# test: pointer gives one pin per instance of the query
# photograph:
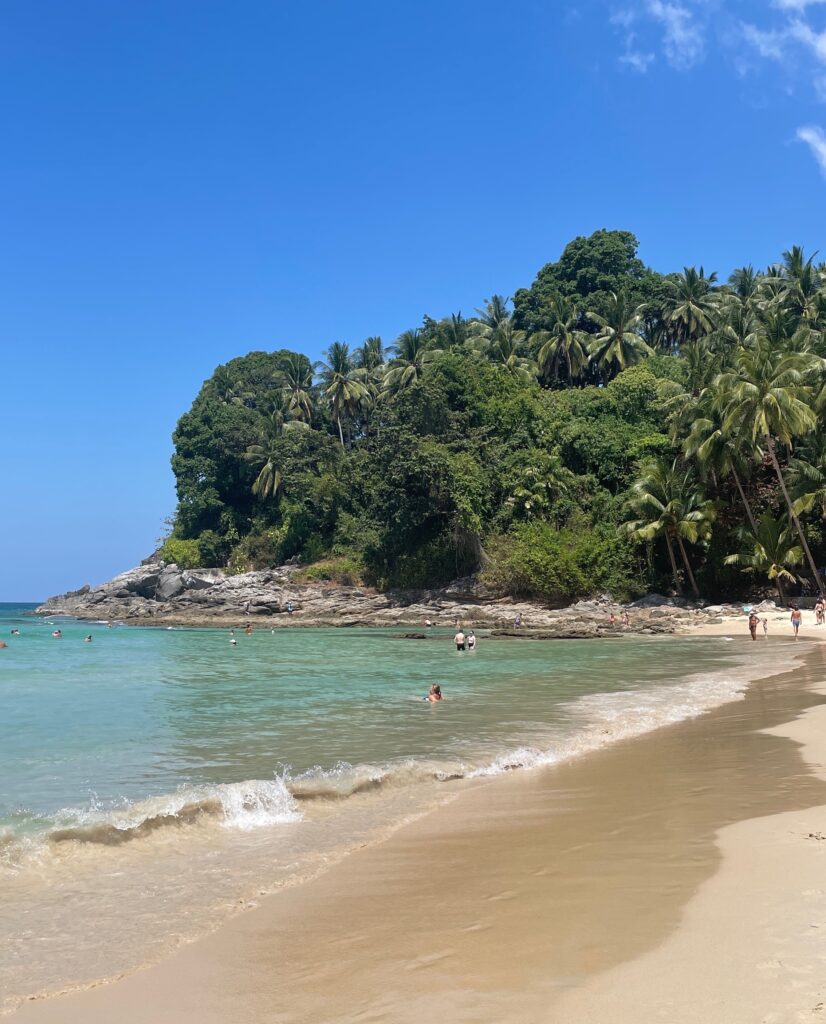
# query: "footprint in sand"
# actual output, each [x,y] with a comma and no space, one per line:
[428,961]
[508,894]
[477,926]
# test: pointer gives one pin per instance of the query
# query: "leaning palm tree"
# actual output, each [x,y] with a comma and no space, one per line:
[412,356]
[718,452]
[563,348]
[770,549]
[295,375]
[768,397]
[668,503]
[690,308]
[343,388]
[618,345]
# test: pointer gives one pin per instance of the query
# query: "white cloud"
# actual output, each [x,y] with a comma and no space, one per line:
[683,41]
[637,60]
[768,42]
[795,5]
[815,139]
[803,32]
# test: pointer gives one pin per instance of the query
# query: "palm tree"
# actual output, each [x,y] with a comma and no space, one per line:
[451,332]
[691,307]
[342,387]
[563,349]
[772,550]
[717,451]
[539,484]
[407,366]
[495,311]
[668,503]
[370,354]
[295,374]
[267,454]
[807,474]
[744,282]
[767,397]
[503,346]
[617,344]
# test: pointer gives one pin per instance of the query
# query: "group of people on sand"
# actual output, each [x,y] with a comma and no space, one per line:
[796,619]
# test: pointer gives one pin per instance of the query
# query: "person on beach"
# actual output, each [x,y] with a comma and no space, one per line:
[765,629]
[796,618]
[753,621]
[518,621]
[459,640]
[471,641]
[289,607]
[819,611]
[435,694]
[612,620]
[625,620]
[428,623]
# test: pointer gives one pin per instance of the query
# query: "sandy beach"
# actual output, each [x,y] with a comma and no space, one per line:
[675,877]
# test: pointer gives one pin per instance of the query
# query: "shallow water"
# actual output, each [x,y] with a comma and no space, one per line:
[152,781]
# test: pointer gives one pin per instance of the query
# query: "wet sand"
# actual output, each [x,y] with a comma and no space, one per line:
[669,877]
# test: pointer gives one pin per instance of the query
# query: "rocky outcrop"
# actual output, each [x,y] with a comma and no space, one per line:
[155,593]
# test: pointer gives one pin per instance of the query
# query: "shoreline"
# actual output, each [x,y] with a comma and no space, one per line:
[468,835]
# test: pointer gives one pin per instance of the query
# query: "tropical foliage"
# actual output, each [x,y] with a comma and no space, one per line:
[612,428]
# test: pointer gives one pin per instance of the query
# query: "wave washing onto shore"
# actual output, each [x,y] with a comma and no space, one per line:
[261,803]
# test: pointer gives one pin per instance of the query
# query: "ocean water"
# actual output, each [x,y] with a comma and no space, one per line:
[154,781]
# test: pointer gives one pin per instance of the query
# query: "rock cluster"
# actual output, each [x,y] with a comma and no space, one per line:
[156,593]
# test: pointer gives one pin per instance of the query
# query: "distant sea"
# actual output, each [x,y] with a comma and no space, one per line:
[154,780]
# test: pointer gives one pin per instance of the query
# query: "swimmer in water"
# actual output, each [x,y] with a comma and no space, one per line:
[56,633]
[233,641]
[15,632]
[87,639]
[435,694]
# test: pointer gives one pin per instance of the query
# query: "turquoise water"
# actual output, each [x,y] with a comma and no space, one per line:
[157,776]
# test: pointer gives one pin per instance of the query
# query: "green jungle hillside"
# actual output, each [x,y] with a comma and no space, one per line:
[609,429]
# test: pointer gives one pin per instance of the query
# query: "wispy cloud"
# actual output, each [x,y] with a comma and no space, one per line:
[683,41]
[815,139]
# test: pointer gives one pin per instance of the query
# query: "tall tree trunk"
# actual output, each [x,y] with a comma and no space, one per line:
[781,590]
[340,431]
[687,565]
[793,516]
[674,571]
[745,500]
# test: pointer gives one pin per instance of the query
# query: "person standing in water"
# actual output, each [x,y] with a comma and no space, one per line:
[459,639]
[435,694]
[796,618]
[765,629]
[471,641]
[753,621]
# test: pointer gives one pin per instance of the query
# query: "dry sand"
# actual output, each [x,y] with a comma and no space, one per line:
[676,877]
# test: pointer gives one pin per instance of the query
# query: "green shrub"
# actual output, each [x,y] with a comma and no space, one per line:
[347,572]
[183,553]
[534,560]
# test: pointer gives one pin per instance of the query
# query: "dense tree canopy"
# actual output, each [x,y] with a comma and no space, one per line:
[616,429]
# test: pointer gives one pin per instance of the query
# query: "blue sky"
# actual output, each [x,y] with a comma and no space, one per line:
[185,182]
